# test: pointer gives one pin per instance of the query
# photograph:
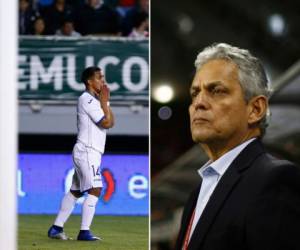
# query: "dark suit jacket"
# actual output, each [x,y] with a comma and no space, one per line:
[255,206]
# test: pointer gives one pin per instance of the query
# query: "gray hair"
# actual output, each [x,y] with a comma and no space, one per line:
[252,76]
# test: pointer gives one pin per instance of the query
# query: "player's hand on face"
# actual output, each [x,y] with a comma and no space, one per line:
[104,93]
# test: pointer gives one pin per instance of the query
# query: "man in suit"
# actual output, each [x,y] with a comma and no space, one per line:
[247,200]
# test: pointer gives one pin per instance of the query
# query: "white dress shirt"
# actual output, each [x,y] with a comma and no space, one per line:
[211,174]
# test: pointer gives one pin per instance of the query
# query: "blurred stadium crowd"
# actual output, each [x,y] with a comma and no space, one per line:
[75,18]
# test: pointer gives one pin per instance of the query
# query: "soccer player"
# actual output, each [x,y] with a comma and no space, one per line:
[94,117]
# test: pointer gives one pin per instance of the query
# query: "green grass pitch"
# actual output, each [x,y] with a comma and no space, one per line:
[117,232]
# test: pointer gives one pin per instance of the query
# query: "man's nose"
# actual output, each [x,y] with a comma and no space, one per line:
[201,101]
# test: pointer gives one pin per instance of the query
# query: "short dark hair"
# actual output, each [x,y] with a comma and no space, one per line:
[88,73]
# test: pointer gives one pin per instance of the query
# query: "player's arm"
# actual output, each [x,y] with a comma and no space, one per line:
[108,119]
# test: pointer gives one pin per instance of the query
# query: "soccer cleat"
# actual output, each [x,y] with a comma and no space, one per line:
[87,236]
[55,232]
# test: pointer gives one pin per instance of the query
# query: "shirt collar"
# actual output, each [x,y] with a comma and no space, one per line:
[220,165]
[88,92]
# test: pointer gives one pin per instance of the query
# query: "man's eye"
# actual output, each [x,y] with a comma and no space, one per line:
[218,91]
[194,94]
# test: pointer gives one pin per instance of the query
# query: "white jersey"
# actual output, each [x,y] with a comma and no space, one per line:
[89,113]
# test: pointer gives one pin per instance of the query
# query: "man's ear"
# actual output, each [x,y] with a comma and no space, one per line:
[257,108]
[88,82]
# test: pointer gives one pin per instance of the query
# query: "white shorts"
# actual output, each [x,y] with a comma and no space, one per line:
[87,173]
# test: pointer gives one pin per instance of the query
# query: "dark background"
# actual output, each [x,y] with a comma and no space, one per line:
[181,29]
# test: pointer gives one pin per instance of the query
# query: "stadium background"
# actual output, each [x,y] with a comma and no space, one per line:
[47,122]
[49,71]
[49,86]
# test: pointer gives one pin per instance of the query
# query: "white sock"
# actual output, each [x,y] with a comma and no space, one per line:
[88,211]
[66,208]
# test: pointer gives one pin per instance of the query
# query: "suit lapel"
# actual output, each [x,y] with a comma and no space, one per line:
[223,190]
[188,211]
[215,203]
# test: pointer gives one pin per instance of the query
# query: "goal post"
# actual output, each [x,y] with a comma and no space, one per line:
[8,123]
